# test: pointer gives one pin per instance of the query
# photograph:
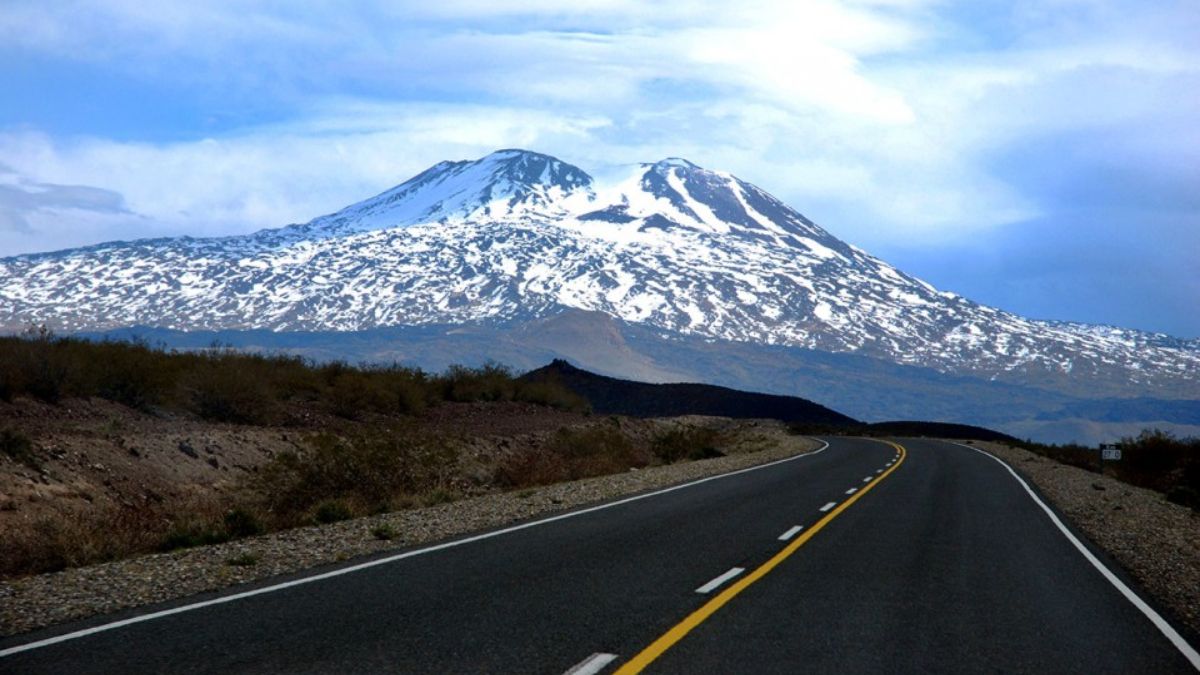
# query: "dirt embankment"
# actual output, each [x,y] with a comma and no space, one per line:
[90,454]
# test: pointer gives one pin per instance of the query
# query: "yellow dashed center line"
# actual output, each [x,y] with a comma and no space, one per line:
[677,633]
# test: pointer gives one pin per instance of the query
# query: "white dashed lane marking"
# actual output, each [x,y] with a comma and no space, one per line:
[791,533]
[592,664]
[716,583]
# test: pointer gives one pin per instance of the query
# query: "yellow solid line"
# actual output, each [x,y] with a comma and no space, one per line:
[677,633]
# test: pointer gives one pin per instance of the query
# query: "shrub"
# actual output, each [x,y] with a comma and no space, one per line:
[1184,496]
[384,532]
[685,442]
[411,389]
[704,452]
[225,385]
[223,393]
[532,467]
[129,373]
[438,495]
[189,535]
[490,382]
[71,538]
[1154,459]
[18,446]
[353,393]
[246,559]
[332,511]
[571,454]
[241,522]
[46,372]
[367,470]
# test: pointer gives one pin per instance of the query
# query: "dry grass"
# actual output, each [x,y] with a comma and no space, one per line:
[224,385]
[73,538]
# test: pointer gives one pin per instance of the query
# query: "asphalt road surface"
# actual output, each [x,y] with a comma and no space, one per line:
[865,557]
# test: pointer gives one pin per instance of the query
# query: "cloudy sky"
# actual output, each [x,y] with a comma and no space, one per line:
[1041,156]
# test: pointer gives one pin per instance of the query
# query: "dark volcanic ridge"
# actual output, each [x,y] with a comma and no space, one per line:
[614,396]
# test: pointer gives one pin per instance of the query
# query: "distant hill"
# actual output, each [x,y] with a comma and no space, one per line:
[936,430]
[611,396]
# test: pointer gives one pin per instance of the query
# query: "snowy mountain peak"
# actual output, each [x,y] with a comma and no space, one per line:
[674,163]
[504,185]
[675,192]
[529,169]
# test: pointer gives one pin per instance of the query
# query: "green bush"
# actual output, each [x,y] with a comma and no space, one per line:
[384,532]
[490,382]
[241,522]
[354,393]
[332,511]
[190,529]
[685,443]
[130,373]
[367,470]
[18,446]
[46,376]
[222,393]
[190,536]
[572,454]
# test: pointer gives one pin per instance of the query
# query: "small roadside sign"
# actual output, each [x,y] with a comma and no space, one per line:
[1110,454]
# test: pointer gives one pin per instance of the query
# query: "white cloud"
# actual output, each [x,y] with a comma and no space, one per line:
[880,118]
[269,177]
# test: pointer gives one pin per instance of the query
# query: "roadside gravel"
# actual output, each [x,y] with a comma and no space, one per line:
[48,599]
[1156,541]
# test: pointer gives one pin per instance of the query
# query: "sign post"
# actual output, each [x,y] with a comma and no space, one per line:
[1109,452]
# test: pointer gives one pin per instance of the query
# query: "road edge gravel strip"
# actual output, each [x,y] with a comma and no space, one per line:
[46,600]
[1157,543]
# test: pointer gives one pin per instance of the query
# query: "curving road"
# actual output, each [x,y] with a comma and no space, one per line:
[865,557]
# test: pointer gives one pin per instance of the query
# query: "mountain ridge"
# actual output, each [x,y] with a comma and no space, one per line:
[516,237]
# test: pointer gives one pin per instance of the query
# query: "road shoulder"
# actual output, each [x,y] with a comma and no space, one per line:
[1156,542]
[49,599]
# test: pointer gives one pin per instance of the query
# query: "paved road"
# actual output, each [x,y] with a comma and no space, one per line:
[930,558]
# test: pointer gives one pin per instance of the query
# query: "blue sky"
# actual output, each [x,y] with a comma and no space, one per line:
[1043,157]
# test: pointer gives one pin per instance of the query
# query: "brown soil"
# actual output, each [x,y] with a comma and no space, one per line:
[90,453]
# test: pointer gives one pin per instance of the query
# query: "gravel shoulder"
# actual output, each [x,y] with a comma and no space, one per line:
[1157,542]
[47,599]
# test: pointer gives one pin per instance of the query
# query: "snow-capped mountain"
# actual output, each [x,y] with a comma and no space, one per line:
[518,236]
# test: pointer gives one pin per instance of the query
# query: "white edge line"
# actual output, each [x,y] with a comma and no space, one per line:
[828,506]
[592,664]
[381,561]
[1176,639]
[791,533]
[716,583]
